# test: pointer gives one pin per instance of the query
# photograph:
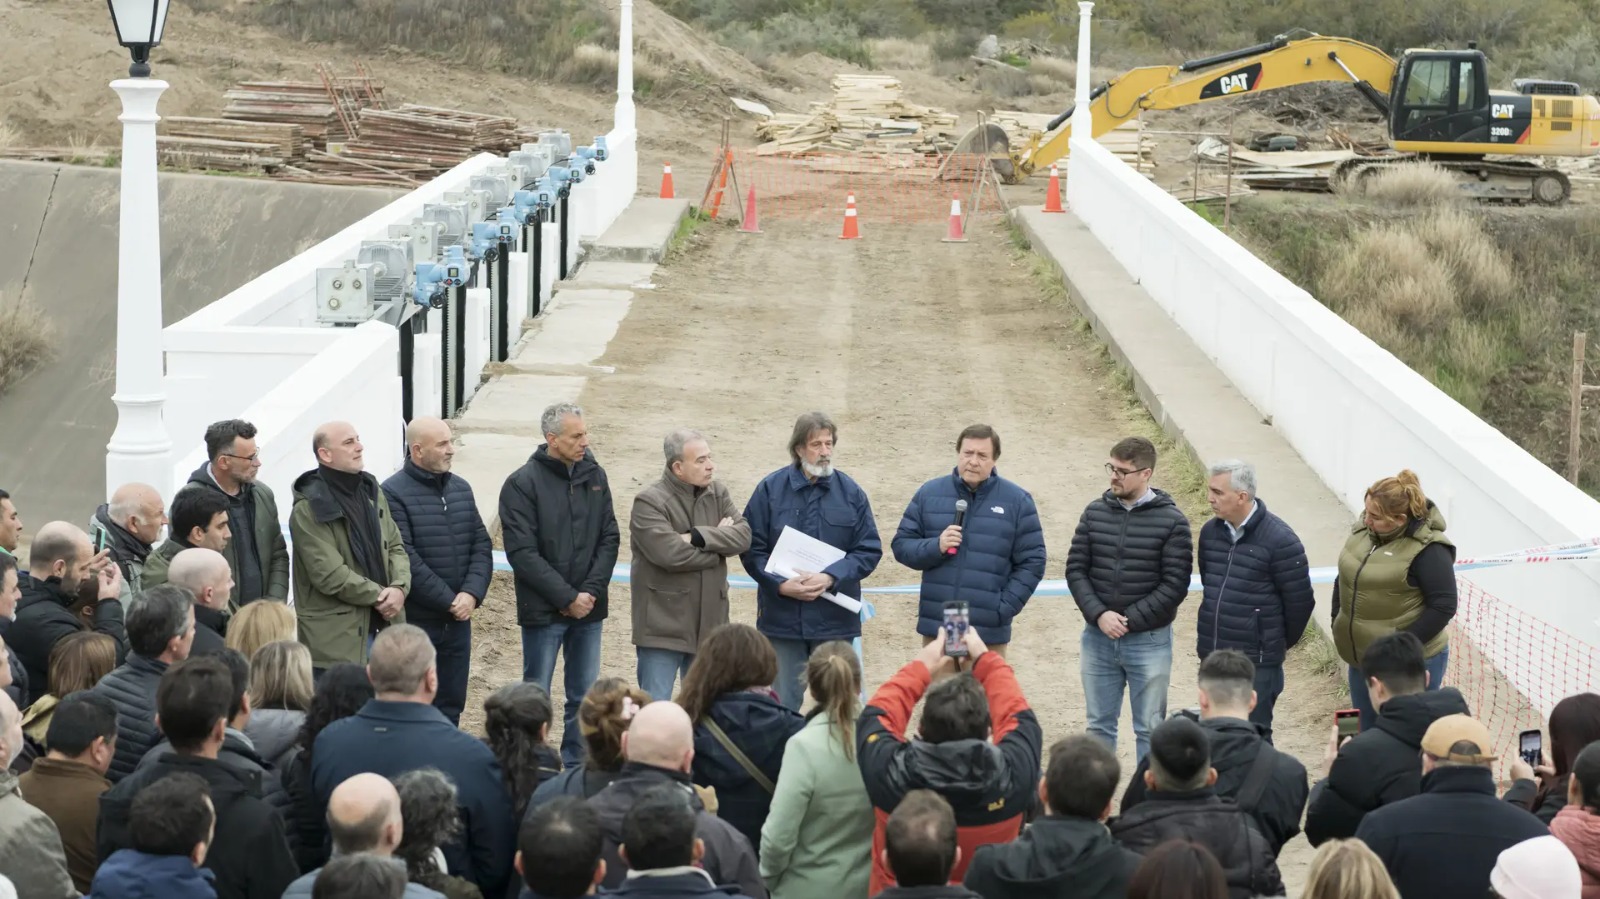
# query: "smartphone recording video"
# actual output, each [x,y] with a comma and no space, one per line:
[955,629]
[1349,722]
[1530,746]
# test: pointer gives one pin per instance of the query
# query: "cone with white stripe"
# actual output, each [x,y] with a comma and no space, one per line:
[852,229]
[955,234]
[666,181]
[1052,194]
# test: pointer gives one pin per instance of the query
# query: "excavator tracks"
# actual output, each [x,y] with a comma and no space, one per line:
[1491,181]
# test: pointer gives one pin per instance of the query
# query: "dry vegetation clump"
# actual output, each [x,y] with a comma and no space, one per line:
[1409,185]
[27,340]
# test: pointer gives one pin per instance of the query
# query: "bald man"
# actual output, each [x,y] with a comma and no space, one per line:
[129,527]
[363,816]
[449,550]
[70,589]
[659,749]
[351,574]
[206,574]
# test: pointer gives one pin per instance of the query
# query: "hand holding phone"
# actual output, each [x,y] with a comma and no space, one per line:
[1348,722]
[955,629]
[1530,747]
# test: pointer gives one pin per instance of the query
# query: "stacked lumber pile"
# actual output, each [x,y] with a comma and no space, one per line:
[409,145]
[325,111]
[868,114]
[1128,140]
[1299,170]
[226,145]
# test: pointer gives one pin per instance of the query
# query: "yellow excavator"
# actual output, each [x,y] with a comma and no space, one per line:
[1437,104]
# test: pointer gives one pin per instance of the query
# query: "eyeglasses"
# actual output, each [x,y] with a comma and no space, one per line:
[1116,472]
[252,458]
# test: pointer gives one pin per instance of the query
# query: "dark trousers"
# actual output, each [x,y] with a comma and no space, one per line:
[452,640]
[1269,685]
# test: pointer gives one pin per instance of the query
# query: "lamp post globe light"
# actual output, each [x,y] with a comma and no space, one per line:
[140,448]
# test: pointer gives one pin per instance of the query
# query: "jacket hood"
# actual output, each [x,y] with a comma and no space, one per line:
[1406,718]
[202,475]
[1579,830]
[274,731]
[310,487]
[1161,499]
[1233,740]
[130,874]
[1433,521]
[123,544]
[963,771]
[1060,856]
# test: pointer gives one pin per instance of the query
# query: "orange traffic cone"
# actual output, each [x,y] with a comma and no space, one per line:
[666,181]
[750,225]
[852,230]
[1052,194]
[955,235]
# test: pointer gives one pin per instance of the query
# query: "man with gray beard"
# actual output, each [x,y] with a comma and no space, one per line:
[812,497]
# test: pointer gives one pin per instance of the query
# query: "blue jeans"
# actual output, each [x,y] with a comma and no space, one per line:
[579,642]
[1142,661]
[452,642]
[659,668]
[1359,699]
[1268,686]
[792,658]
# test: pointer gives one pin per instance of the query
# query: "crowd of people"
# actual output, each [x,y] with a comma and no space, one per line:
[194,706]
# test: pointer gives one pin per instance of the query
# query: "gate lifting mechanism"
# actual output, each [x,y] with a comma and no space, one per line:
[427,264]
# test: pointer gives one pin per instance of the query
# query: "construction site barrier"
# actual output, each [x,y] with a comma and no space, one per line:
[888,187]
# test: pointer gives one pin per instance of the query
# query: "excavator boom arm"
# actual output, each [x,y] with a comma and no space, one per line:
[1269,66]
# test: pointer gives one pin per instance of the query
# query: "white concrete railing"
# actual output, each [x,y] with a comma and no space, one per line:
[259,354]
[1352,410]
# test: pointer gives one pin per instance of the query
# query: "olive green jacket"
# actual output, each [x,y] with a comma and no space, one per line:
[1374,596]
[333,599]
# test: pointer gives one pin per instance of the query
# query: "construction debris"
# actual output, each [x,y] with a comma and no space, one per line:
[326,109]
[229,146]
[1128,140]
[867,114]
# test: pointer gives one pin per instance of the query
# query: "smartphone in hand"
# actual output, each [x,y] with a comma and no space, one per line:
[955,629]
[1349,723]
[1530,746]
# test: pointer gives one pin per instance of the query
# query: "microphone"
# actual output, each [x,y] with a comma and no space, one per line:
[961,514]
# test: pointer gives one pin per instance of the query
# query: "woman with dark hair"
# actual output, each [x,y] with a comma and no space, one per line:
[607,710]
[1178,869]
[430,817]
[740,725]
[1577,825]
[517,725]
[1574,724]
[343,690]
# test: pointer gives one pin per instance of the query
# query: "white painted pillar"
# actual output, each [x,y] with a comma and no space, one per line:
[1082,118]
[625,119]
[140,448]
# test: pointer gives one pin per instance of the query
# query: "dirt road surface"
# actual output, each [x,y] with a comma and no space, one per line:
[903,340]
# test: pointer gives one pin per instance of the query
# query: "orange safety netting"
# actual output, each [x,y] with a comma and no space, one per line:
[888,187]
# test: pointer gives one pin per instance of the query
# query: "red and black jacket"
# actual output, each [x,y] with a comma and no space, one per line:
[989,784]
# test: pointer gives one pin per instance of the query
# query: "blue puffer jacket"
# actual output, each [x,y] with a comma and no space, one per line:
[129,874]
[1257,593]
[760,725]
[1000,561]
[834,510]
[445,539]
[132,687]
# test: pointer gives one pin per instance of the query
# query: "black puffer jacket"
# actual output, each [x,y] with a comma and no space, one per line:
[1235,743]
[561,536]
[1133,561]
[238,752]
[133,688]
[1379,766]
[445,539]
[1217,824]
[1057,857]
[43,620]
[1256,594]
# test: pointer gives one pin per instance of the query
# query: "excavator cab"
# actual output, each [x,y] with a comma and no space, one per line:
[1441,96]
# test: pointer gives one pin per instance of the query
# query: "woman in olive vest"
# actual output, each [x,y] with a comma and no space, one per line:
[1396,573]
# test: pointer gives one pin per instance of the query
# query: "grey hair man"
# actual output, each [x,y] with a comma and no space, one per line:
[561,538]
[128,527]
[682,531]
[70,588]
[1255,583]
[160,634]
[363,816]
[205,573]
[818,500]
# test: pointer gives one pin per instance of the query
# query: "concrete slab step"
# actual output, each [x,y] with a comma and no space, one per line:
[601,274]
[642,233]
[511,404]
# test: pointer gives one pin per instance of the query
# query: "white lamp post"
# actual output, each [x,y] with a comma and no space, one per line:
[140,449]
[1082,116]
[626,118]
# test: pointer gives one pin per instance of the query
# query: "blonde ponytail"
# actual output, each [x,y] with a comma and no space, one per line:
[833,675]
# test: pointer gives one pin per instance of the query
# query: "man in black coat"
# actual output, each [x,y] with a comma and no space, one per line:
[1183,806]
[208,578]
[60,562]
[249,855]
[659,746]
[1445,841]
[1268,784]
[257,553]
[662,850]
[1380,766]
[1128,570]
[561,538]
[1068,853]
[451,555]
[161,631]
[1255,583]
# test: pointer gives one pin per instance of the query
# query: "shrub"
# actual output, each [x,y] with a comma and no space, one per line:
[1418,184]
[830,34]
[27,340]
[899,53]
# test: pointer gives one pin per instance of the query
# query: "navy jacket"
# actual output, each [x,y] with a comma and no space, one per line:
[391,738]
[834,510]
[130,874]
[760,726]
[1133,561]
[133,688]
[1256,594]
[561,536]
[445,539]
[998,565]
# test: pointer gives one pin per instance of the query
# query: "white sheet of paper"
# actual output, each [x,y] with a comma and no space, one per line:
[796,552]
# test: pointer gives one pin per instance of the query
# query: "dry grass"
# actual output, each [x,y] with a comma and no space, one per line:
[899,53]
[9,136]
[27,340]
[1063,71]
[1412,185]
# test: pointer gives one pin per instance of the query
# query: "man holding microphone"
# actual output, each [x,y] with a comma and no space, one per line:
[976,538]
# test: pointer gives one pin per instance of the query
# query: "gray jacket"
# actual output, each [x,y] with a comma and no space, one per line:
[30,847]
[273,731]
[680,588]
[301,888]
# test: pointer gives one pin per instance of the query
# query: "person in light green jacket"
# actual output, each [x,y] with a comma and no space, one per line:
[817,840]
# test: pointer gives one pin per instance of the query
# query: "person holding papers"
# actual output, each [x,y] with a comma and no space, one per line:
[811,497]
[976,537]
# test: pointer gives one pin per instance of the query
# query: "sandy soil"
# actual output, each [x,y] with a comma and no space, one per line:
[902,355]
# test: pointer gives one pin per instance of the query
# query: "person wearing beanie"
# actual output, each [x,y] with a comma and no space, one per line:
[1445,840]
[1540,868]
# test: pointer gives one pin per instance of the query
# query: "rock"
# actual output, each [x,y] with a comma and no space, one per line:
[988,48]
